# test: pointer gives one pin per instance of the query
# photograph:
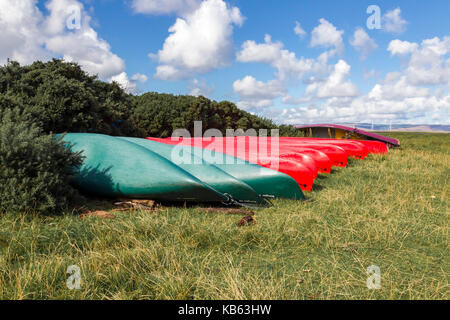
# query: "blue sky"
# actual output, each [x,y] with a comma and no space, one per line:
[333,69]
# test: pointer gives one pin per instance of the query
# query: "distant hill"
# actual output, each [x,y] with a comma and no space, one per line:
[425,128]
[400,127]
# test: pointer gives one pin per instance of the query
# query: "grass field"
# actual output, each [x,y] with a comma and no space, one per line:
[389,211]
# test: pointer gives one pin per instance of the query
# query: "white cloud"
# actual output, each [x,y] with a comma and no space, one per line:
[79,45]
[397,89]
[129,85]
[327,35]
[299,30]
[398,47]
[393,22]
[27,35]
[266,52]
[20,38]
[290,69]
[417,94]
[167,72]
[325,80]
[200,42]
[286,62]
[256,93]
[430,65]
[199,88]
[336,85]
[426,109]
[139,77]
[125,83]
[363,43]
[158,7]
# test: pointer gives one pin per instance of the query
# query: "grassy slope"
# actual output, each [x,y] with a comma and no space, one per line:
[389,211]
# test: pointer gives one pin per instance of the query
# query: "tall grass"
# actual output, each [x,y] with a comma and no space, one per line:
[390,211]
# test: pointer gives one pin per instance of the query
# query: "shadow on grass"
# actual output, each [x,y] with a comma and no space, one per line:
[317,186]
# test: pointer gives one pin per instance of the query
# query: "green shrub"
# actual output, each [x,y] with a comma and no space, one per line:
[34,167]
[61,97]
[64,98]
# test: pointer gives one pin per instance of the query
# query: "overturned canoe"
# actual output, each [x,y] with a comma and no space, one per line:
[266,182]
[372,146]
[291,165]
[204,171]
[354,149]
[117,168]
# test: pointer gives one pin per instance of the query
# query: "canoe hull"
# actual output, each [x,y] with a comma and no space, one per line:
[267,182]
[109,170]
[206,172]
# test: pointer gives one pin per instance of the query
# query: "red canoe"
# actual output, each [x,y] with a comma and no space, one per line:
[372,146]
[324,155]
[354,149]
[336,154]
[302,168]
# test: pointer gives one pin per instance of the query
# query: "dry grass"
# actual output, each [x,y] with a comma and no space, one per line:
[390,211]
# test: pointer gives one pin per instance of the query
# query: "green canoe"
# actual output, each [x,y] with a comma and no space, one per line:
[266,182]
[117,168]
[206,172]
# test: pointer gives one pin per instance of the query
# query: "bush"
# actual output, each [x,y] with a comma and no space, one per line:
[61,97]
[64,98]
[35,169]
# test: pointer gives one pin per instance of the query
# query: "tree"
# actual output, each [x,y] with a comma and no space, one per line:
[160,114]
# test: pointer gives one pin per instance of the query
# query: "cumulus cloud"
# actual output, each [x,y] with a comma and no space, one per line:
[396,88]
[199,88]
[27,35]
[421,109]
[419,93]
[139,77]
[124,82]
[289,69]
[254,93]
[363,43]
[200,42]
[398,47]
[81,45]
[298,30]
[327,35]
[20,39]
[336,85]
[430,64]
[393,22]
[285,61]
[159,7]
[127,84]
[266,52]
